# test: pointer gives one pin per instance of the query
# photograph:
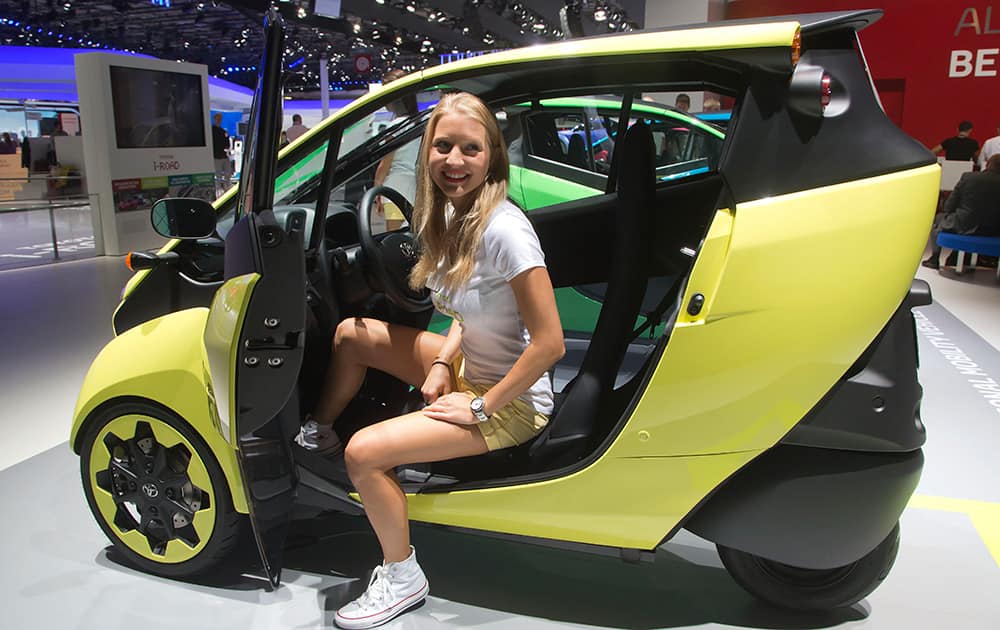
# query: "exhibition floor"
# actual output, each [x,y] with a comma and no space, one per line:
[60,572]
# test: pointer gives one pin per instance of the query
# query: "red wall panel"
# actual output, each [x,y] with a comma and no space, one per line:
[925,52]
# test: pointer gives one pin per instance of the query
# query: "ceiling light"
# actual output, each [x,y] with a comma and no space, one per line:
[411,8]
[301,12]
[600,14]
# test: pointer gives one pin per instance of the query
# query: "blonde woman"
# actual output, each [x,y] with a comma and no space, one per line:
[485,383]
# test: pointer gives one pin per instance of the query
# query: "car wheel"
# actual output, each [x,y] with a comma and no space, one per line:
[157,491]
[811,589]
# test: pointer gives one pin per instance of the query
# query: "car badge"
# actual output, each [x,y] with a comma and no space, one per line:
[151,490]
[408,251]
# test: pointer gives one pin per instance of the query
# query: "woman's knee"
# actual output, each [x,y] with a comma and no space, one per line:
[350,334]
[364,452]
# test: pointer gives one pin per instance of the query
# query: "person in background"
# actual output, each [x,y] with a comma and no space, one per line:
[972,208]
[990,148]
[711,105]
[7,144]
[486,382]
[283,142]
[960,147]
[220,153]
[297,128]
[682,102]
[398,169]
[26,152]
[58,130]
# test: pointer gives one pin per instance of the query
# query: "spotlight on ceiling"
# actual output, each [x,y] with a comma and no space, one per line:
[600,14]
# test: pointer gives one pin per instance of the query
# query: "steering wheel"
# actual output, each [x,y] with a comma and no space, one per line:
[391,256]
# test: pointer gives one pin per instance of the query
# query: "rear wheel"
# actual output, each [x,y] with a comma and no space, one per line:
[812,589]
[157,491]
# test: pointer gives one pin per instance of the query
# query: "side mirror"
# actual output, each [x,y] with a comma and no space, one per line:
[183,218]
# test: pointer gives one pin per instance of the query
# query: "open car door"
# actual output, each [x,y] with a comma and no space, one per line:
[255,330]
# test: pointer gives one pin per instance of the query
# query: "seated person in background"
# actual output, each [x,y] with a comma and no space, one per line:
[972,208]
[990,148]
[960,147]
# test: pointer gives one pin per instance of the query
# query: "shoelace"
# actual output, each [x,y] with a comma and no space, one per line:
[311,427]
[379,589]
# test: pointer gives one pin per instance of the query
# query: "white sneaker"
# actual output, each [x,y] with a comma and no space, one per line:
[394,588]
[318,438]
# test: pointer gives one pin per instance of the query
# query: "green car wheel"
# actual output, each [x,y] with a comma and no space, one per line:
[156,490]
[812,589]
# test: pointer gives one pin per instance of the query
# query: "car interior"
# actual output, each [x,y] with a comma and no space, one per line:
[629,250]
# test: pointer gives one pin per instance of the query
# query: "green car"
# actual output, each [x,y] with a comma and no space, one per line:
[716,383]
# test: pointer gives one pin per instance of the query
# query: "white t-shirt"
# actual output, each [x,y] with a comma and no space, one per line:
[990,148]
[493,334]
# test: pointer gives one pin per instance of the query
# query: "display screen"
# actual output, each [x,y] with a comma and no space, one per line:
[156,109]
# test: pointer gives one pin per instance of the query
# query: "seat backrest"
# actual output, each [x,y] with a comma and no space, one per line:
[577,153]
[544,139]
[568,434]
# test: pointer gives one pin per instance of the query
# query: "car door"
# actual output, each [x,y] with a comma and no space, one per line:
[254,333]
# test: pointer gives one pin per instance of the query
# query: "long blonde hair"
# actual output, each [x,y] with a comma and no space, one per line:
[451,245]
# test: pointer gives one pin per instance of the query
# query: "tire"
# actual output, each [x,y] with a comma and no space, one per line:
[157,491]
[811,589]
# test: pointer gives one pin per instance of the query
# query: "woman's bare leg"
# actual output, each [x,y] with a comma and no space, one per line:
[374,452]
[360,343]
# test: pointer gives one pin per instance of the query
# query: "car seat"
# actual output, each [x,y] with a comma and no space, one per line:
[577,153]
[568,436]
[544,139]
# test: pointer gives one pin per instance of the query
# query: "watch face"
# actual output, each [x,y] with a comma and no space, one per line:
[478,404]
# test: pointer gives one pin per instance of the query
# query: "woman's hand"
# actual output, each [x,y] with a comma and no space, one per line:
[453,407]
[437,383]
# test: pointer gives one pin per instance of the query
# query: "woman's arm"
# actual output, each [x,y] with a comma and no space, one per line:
[382,170]
[438,381]
[537,305]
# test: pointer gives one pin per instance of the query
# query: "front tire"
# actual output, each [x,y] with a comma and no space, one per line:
[811,589]
[157,491]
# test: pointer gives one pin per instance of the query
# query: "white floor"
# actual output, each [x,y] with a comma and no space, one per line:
[56,317]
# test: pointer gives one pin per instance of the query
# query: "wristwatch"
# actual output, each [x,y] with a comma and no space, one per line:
[478,407]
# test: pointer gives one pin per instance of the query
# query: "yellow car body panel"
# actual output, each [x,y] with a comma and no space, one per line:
[221,338]
[809,280]
[162,360]
[660,491]
[772,274]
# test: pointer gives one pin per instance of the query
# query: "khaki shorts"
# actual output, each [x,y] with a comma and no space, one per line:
[514,423]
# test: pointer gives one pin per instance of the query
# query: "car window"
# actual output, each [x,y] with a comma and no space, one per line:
[290,184]
[562,148]
[682,147]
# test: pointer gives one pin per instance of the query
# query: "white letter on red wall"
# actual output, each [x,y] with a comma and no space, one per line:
[961,63]
[985,58]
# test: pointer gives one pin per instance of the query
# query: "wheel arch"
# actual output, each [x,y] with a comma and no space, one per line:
[224,455]
[161,362]
[808,507]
